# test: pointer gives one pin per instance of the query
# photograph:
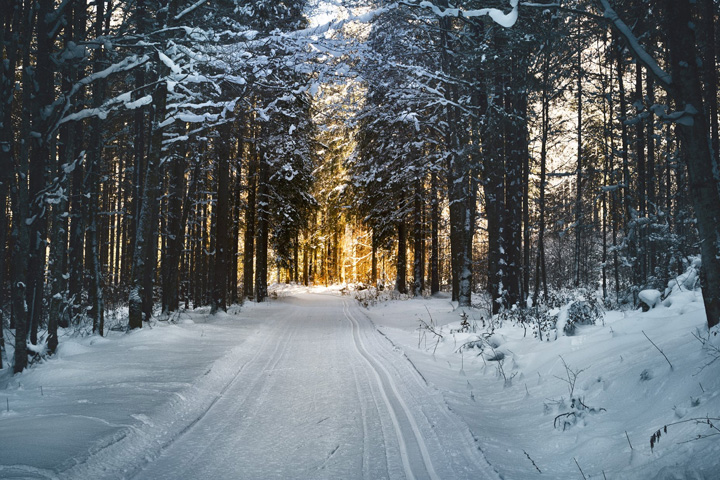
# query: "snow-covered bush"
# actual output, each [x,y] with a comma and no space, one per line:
[649,299]
[538,319]
[687,281]
[582,312]
[368,296]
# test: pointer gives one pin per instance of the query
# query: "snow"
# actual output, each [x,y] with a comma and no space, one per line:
[503,19]
[169,63]
[627,382]
[312,385]
[189,9]
[140,102]
[650,297]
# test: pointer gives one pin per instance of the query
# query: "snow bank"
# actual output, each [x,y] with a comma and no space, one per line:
[597,397]
[86,411]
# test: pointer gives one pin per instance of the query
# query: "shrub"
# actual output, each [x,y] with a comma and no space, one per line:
[583,312]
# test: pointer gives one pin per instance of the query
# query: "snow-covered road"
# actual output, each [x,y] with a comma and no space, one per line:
[306,386]
[324,395]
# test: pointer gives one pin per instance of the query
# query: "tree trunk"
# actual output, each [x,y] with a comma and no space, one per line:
[640,269]
[516,148]
[687,93]
[237,202]
[373,262]
[625,145]
[42,99]
[418,232]
[178,211]
[263,227]
[12,34]
[21,203]
[540,273]
[401,273]
[92,190]
[145,254]
[709,69]
[579,167]
[650,182]
[77,198]
[249,243]
[434,234]
[222,221]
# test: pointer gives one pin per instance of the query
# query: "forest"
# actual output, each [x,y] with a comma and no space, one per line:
[157,156]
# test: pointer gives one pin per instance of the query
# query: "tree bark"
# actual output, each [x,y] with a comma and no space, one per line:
[400,283]
[12,34]
[687,93]
[540,273]
[222,221]
[249,243]
[263,227]
[579,166]
[21,202]
[434,234]
[640,269]
[37,222]
[145,253]
[418,232]
[178,209]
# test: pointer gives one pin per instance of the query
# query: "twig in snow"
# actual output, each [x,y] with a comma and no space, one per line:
[566,414]
[709,421]
[578,465]
[432,322]
[532,461]
[628,439]
[658,349]
[430,327]
[713,353]
[571,376]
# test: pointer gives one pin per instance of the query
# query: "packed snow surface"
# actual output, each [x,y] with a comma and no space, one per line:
[313,385]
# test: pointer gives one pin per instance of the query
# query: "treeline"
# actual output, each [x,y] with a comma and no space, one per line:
[143,144]
[570,147]
[174,154]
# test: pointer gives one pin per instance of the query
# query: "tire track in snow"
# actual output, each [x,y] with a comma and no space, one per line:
[402,417]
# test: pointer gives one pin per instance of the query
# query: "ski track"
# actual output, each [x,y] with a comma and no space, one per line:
[398,410]
[433,423]
[317,392]
[438,405]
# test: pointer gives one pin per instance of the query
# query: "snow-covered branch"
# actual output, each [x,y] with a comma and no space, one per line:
[125,65]
[506,20]
[189,9]
[638,51]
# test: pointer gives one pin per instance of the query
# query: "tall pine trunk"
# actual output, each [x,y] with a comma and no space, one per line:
[263,227]
[222,221]
[434,236]
[249,241]
[418,244]
[145,252]
[687,93]
[37,222]
[401,268]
